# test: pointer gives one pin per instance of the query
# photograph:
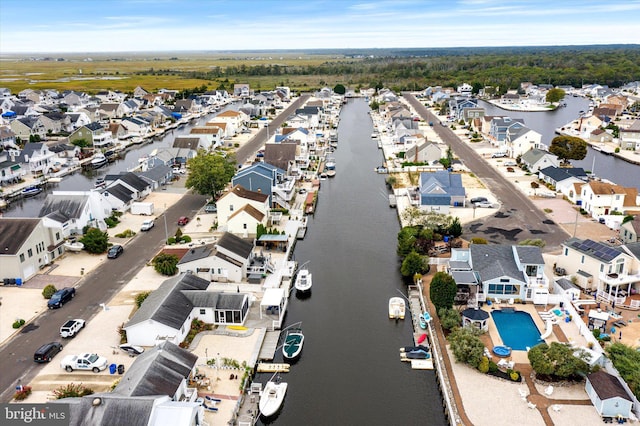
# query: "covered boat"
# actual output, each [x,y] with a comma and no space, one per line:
[272,397]
[397,308]
[303,280]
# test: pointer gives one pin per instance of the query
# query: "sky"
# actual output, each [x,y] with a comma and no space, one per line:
[59,26]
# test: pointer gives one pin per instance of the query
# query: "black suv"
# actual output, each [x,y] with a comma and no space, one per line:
[115,251]
[47,351]
[61,297]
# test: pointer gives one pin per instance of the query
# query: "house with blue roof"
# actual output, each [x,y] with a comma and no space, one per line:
[501,125]
[556,175]
[264,178]
[440,190]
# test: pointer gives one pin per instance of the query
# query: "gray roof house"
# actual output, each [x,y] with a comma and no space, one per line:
[73,210]
[167,313]
[425,152]
[536,159]
[555,175]
[608,396]
[441,189]
[499,272]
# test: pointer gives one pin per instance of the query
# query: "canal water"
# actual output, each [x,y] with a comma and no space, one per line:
[545,123]
[84,180]
[350,372]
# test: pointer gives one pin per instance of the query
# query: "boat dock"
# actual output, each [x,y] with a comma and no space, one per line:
[269,345]
[416,307]
[264,367]
[392,200]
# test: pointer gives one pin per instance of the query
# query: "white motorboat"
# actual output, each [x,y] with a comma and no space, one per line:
[397,307]
[100,183]
[74,246]
[272,397]
[303,280]
[30,191]
[330,164]
[98,160]
[293,341]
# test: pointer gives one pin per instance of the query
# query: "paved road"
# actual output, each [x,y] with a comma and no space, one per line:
[518,218]
[248,150]
[99,286]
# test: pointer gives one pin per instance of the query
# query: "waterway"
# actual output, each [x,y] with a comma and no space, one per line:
[350,371]
[545,123]
[84,180]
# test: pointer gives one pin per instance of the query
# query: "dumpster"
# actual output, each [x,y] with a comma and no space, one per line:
[112,368]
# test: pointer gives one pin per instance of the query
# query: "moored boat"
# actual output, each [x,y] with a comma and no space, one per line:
[397,308]
[331,173]
[32,190]
[303,280]
[98,160]
[100,183]
[330,164]
[293,341]
[272,397]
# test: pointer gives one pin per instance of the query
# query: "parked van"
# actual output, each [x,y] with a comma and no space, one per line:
[47,351]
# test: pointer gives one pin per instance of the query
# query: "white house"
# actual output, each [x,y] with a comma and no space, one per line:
[602,198]
[71,211]
[245,221]
[520,140]
[608,396]
[237,198]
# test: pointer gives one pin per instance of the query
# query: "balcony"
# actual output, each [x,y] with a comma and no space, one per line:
[619,279]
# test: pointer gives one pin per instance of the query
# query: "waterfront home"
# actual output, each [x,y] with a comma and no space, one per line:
[630,230]
[499,127]
[241,90]
[157,176]
[236,118]
[237,198]
[440,190]
[228,128]
[215,135]
[608,395]
[187,142]
[94,133]
[267,179]
[630,137]
[424,152]
[536,159]
[490,271]
[25,127]
[599,136]
[71,211]
[37,158]
[134,126]
[555,175]
[597,266]
[458,106]
[125,188]
[28,245]
[603,198]
[10,171]
[519,140]
[283,156]
[167,313]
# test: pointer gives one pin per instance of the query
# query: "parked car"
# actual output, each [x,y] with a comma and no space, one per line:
[47,351]
[478,200]
[71,327]
[115,251]
[210,208]
[147,225]
[483,204]
[86,361]
[499,155]
[183,220]
[61,297]
[132,350]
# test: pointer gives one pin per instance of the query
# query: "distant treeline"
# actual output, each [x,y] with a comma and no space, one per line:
[412,69]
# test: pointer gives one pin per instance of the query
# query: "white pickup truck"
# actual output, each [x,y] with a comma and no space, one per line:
[91,362]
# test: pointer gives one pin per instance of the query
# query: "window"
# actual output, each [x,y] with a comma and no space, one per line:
[566,251]
[230,207]
[582,261]
[57,236]
[21,257]
[30,253]
[244,226]
[203,311]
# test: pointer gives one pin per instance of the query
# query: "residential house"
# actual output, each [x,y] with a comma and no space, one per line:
[245,220]
[124,189]
[264,178]
[425,152]
[555,175]
[608,395]
[602,198]
[187,142]
[167,313]
[499,127]
[599,135]
[214,134]
[71,211]
[7,138]
[65,153]
[600,267]
[37,158]
[27,246]
[536,159]
[457,107]
[28,126]
[238,197]
[440,190]
[227,127]
[135,126]
[519,140]
[78,119]
[10,171]
[630,137]
[282,155]
[488,271]
[157,176]
[630,231]
[94,133]
[241,90]
[232,259]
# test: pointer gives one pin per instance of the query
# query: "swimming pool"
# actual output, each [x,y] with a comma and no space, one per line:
[516,328]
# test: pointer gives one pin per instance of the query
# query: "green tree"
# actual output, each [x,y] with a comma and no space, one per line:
[466,345]
[413,264]
[95,241]
[568,148]
[209,173]
[82,143]
[455,229]
[166,264]
[555,95]
[449,318]
[339,89]
[72,390]
[407,238]
[442,291]
[48,291]
[558,360]
[627,361]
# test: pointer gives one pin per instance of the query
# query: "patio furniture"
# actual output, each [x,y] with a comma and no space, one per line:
[549,390]
[531,405]
[555,408]
[523,393]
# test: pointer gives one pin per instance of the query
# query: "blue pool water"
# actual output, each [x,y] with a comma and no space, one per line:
[517,329]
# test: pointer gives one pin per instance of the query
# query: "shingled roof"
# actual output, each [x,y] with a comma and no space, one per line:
[242,192]
[14,232]
[607,386]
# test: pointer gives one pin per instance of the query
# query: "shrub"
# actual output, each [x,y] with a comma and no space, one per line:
[514,375]
[478,240]
[449,318]
[122,333]
[186,239]
[493,367]
[22,393]
[171,240]
[72,390]
[48,291]
[166,264]
[111,222]
[127,233]
[18,323]
[140,297]
[484,365]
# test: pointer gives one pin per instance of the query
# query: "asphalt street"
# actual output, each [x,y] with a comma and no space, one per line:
[518,218]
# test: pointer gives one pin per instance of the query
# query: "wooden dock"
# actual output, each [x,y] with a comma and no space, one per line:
[264,367]
[269,345]
[416,308]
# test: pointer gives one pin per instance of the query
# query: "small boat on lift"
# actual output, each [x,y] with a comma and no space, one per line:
[271,397]
[303,280]
[98,160]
